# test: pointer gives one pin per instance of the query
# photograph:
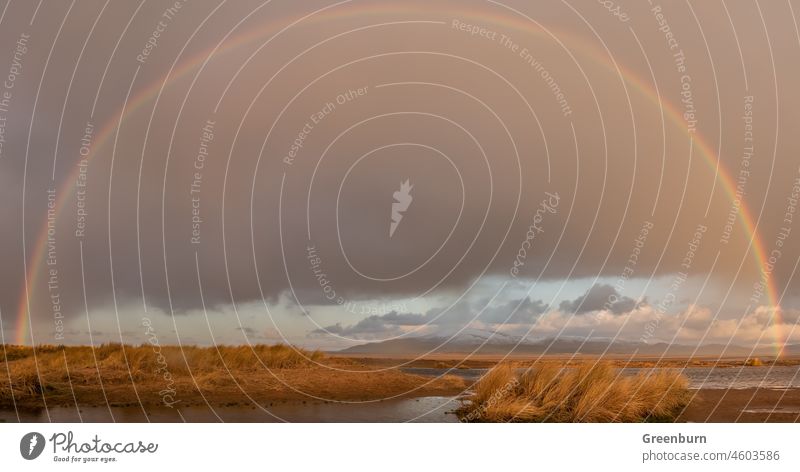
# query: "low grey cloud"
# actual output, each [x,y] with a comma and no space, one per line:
[247,330]
[182,232]
[519,311]
[514,312]
[599,297]
[368,327]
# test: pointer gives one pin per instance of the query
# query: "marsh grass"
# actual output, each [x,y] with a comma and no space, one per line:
[592,392]
[146,356]
[47,371]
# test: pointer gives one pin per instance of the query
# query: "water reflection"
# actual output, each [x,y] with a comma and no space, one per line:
[699,377]
[425,409]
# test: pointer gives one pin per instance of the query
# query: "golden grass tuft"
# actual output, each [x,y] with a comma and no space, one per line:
[117,364]
[591,392]
[148,357]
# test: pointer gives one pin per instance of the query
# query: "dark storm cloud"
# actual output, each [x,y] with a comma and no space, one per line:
[514,312]
[521,311]
[599,297]
[155,220]
[378,324]
[247,330]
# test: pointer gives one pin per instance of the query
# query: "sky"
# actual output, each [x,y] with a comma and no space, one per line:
[331,173]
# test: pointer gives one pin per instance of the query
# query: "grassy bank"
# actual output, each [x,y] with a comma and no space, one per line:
[147,357]
[122,375]
[593,392]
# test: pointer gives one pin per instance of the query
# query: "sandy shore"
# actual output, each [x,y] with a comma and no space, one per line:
[321,384]
[156,376]
[304,384]
[196,376]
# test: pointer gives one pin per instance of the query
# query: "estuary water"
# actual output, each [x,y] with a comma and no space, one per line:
[777,377]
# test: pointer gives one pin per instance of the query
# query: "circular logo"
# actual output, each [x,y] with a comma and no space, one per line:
[31,445]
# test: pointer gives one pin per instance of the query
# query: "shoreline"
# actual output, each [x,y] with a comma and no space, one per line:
[240,389]
[237,377]
[706,406]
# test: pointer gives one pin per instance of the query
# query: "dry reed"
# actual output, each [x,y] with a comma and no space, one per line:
[592,392]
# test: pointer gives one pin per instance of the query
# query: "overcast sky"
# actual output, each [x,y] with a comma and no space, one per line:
[233,170]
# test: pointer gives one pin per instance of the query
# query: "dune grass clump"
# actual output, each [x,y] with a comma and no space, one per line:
[146,357]
[63,368]
[594,392]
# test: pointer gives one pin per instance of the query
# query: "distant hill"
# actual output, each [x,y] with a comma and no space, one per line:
[494,345]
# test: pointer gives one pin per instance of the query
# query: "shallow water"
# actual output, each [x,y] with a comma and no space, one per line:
[741,377]
[699,377]
[425,409]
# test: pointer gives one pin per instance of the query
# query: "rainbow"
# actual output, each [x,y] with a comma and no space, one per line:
[345,10]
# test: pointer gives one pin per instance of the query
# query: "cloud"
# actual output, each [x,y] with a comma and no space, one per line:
[248,331]
[519,311]
[405,319]
[340,205]
[514,312]
[599,297]
[270,334]
[377,325]
[693,325]
[371,327]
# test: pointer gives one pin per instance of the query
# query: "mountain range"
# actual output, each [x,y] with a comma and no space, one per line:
[483,343]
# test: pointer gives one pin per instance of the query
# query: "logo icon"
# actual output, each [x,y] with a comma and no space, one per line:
[31,445]
[402,199]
